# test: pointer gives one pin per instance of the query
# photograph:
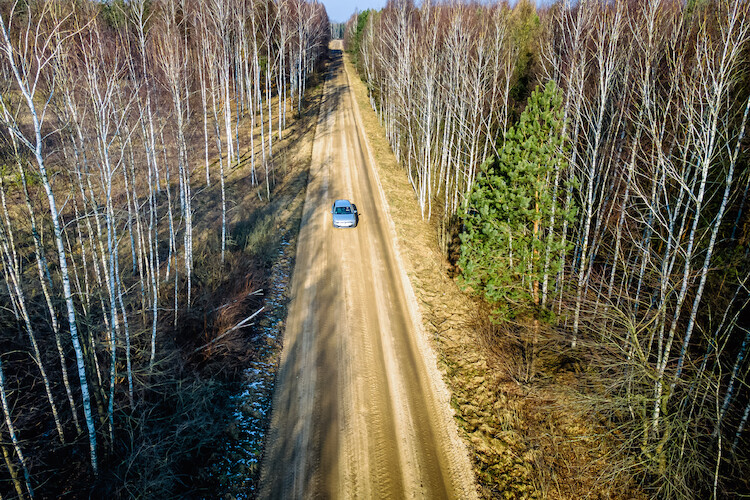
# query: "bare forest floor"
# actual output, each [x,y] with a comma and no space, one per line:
[527,440]
[171,441]
[182,448]
[264,232]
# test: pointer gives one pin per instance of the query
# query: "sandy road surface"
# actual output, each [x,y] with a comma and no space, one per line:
[359,409]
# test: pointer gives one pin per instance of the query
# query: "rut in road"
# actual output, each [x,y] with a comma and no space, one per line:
[360,410]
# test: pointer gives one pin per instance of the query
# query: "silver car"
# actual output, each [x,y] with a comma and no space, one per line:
[344,214]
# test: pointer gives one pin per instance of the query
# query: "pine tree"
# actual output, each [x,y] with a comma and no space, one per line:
[513,215]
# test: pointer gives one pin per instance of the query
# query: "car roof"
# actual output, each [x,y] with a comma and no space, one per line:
[341,203]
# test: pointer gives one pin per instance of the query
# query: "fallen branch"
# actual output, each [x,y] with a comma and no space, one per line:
[239,325]
[256,292]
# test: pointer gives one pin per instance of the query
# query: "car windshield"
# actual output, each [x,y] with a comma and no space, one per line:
[343,210]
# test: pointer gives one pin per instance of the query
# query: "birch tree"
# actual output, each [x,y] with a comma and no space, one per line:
[27,62]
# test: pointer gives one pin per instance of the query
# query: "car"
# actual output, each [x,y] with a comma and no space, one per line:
[344,214]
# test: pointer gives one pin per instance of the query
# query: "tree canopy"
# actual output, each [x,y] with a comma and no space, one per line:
[509,239]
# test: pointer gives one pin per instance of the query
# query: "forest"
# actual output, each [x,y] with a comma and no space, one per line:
[585,167]
[122,124]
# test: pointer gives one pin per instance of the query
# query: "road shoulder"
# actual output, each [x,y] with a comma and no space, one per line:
[422,275]
[479,398]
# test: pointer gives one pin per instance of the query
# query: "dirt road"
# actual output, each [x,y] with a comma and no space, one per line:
[360,410]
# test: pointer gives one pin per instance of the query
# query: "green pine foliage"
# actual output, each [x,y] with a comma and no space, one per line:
[356,41]
[513,219]
[525,29]
[114,13]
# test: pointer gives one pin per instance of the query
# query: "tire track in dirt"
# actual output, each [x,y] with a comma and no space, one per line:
[375,408]
[359,410]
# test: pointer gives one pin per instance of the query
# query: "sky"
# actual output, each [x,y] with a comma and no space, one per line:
[340,11]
